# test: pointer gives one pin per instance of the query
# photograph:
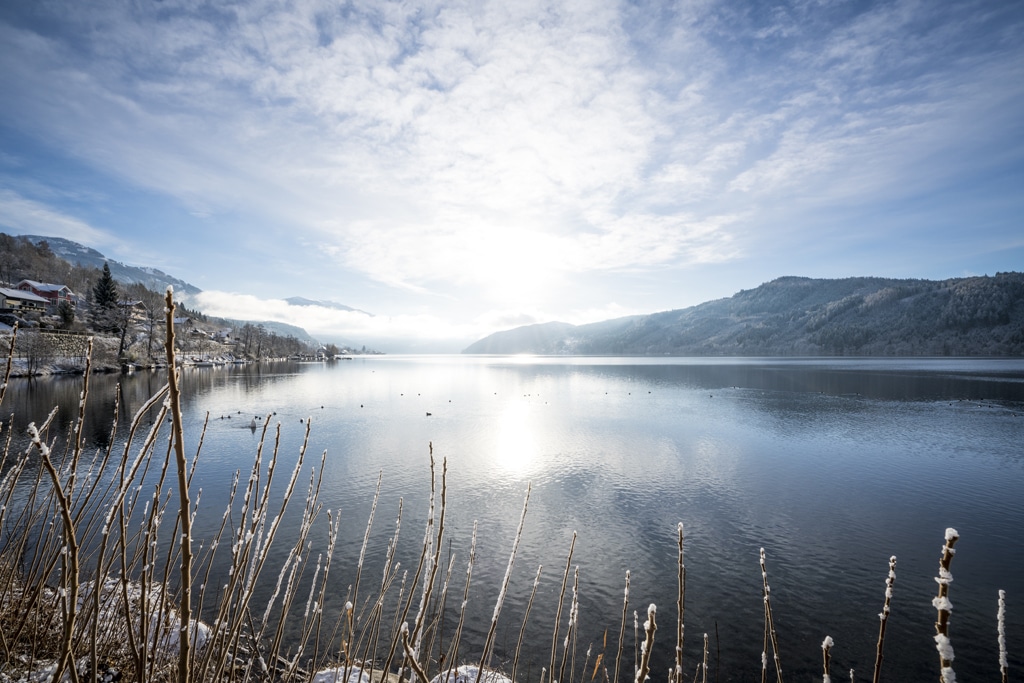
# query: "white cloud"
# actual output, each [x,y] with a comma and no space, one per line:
[495,151]
[29,217]
[328,324]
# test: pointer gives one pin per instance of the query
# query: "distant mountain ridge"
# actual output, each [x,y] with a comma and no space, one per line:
[151,278]
[303,301]
[806,317]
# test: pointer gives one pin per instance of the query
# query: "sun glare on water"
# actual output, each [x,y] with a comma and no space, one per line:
[515,448]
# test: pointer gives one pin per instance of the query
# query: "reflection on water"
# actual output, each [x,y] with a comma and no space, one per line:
[831,465]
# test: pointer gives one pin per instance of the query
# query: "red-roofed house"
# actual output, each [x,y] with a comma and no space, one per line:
[51,292]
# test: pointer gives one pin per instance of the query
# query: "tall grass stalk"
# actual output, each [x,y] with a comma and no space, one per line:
[453,650]
[704,664]
[526,616]
[883,618]
[184,504]
[650,626]
[434,560]
[558,608]
[680,605]
[570,631]
[622,629]
[769,624]
[1001,634]
[944,608]
[826,659]
[425,558]
[489,640]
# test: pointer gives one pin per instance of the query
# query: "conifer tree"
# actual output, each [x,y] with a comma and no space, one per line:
[105,302]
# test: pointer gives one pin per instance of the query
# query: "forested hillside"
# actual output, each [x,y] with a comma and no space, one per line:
[802,316]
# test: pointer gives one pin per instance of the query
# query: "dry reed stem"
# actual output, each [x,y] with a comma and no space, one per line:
[705,663]
[645,650]
[428,582]
[184,504]
[558,611]
[883,618]
[526,615]
[402,615]
[489,640]
[680,605]
[10,363]
[68,557]
[1001,634]
[622,629]
[436,626]
[826,659]
[387,578]
[944,608]
[453,650]
[769,622]
[362,556]
[410,655]
[570,631]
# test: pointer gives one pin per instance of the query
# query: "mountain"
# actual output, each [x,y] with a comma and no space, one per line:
[151,278]
[280,329]
[302,301]
[157,280]
[806,317]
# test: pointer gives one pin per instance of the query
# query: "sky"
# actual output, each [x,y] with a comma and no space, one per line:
[452,169]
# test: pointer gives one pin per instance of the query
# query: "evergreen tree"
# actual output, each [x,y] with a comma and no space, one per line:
[105,302]
[104,294]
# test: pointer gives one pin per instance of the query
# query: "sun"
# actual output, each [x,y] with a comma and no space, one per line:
[520,267]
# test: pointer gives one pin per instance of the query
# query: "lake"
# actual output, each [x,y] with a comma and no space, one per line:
[830,465]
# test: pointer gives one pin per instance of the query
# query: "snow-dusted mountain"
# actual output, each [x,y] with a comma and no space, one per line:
[152,278]
[302,301]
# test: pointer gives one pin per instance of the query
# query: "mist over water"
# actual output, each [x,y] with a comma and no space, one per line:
[831,465]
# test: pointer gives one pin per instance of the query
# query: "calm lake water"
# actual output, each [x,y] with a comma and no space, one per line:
[831,465]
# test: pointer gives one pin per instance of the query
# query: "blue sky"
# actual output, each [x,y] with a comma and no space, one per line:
[459,168]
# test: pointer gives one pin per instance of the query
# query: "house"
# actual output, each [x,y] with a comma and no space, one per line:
[20,300]
[135,311]
[54,294]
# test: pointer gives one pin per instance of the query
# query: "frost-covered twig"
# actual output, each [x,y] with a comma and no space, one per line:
[945,607]
[410,655]
[1001,632]
[883,618]
[434,562]
[570,628]
[680,607]
[645,649]
[453,650]
[10,363]
[425,557]
[522,631]
[185,505]
[558,609]
[704,664]
[489,640]
[69,557]
[826,659]
[622,628]
[769,625]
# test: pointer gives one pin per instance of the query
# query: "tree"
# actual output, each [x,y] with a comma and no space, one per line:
[154,305]
[67,314]
[105,302]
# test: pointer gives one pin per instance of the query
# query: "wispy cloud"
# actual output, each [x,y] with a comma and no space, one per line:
[30,217]
[499,150]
